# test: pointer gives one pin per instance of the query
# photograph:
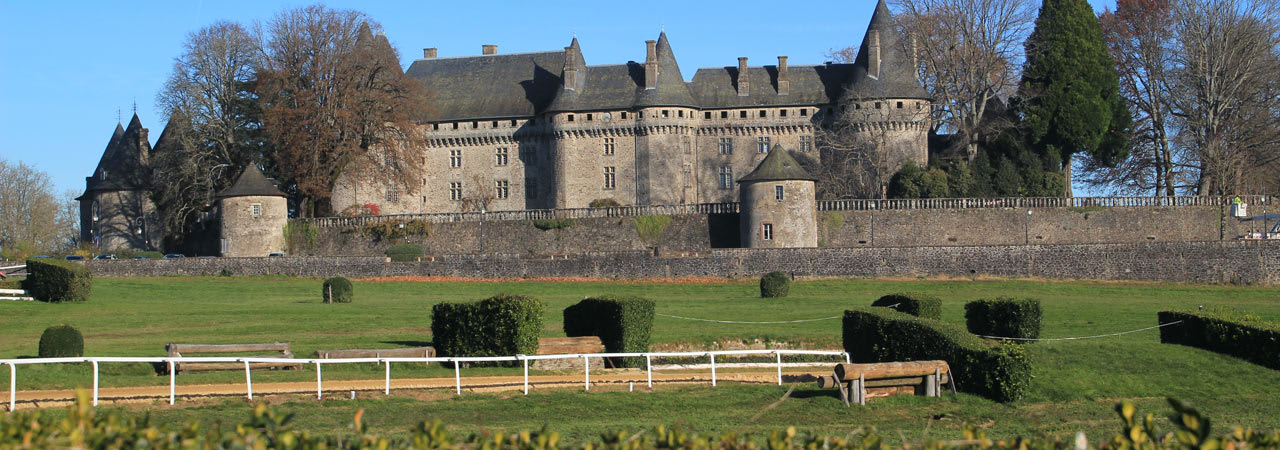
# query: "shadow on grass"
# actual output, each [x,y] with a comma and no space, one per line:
[408,343]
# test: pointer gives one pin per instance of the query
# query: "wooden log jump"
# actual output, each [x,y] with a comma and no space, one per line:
[570,345]
[415,352]
[178,350]
[922,377]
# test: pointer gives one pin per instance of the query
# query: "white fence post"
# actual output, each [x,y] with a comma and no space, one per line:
[13,386]
[386,390]
[171,381]
[95,382]
[713,368]
[319,386]
[846,358]
[648,367]
[248,381]
[779,355]
[586,373]
[526,374]
[457,377]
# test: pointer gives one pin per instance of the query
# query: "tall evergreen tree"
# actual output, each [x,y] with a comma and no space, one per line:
[1071,89]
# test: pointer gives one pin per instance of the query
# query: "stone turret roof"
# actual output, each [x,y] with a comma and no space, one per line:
[897,79]
[778,166]
[251,183]
[171,139]
[670,89]
[124,163]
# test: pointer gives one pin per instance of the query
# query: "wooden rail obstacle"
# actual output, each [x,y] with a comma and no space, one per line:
[177,350]
[856,381]
[570,345]
[413,352]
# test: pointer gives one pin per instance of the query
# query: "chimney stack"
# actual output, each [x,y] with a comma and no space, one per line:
[873,54]
[489,49]
[570,69]
[744,84]
[651,64]
[784,80]
[915,58]
[429,53]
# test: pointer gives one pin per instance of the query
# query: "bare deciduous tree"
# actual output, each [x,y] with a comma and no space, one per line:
[855,153]
[34,219]
[970,52]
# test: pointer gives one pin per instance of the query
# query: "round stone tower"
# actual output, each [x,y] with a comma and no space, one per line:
[778,204]
[253,214]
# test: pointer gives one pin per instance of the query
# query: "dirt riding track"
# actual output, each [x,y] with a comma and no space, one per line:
[53,398]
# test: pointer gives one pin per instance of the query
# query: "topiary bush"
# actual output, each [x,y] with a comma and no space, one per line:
[1004,317]
[337,290]
[622,323]
[774,284]
[1001,373]
[1244,336]
[404,253]
[61,341]
[51,280]
[502,325]
[914,303]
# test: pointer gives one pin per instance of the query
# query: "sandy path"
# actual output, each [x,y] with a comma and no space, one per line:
[51,398]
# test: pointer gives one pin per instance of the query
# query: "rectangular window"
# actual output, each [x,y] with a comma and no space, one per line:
[608,146]
[494,124]
[665,113]
[590,116]
[610,181]
[680,113]
[726,177]
[503,189]
[777,192]
[782,113]
[806,143]
[742,114]
[726,146]
[766,231]
[762,144]
[502,156]
[257,209]
[531,189]
[724,114]
[624,114]
[455,190]
[763,114]
[571,117]
[804,112]
[455,158]
[393,194]
[706,115]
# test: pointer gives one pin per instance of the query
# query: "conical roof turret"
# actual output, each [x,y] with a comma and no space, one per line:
[883,68]
[779,165]
[251,183]
[670,89]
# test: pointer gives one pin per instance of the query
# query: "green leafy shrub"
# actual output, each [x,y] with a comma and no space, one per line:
[337,290]
[404,252]
[502,325]
[774,284]
[650,228]
[395,229]
[553,224]
[1004,317]
[1244,336]
[622,323]
[917,304]
[604,203]
[61,341]
[52,280]
[1001,373]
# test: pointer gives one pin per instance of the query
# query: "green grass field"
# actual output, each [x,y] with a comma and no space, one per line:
[1075,384]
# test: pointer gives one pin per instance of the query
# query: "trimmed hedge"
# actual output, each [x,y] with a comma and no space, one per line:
[1240,335]
[502,325]
[914,303]
[51,280]
[337,290]
[1001,372]
[61,341]
[404,253]
[774,284]
[622,323]
[1004,317]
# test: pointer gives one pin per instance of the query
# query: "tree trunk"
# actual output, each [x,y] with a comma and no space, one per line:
[1066,173]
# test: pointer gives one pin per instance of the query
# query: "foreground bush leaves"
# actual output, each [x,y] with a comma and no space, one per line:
[268,428]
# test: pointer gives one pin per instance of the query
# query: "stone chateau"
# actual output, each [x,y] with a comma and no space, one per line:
[546,130]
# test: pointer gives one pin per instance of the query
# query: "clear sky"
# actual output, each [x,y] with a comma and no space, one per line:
[66,68]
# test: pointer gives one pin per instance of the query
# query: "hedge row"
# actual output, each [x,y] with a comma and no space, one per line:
[917,304]
[1243,336]
[1001,373]
[622,323]
[267,427]
[1003,317]
[404,253]
[52,280]
[501,325]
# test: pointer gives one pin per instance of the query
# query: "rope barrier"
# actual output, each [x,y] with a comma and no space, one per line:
[1082,337]
[737,321]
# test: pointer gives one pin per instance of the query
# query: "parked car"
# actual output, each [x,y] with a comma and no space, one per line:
[275,254]
[139,257]
[40,257]
[105,256]
[173,255]
[74,258]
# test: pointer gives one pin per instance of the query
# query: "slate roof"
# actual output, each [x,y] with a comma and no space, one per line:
[171,138]
[123,165]
[474,87]
[897,77]
[808,85]
[251,183]
[671,89]
[777,166]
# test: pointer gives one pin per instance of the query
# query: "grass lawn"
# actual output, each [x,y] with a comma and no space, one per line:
[1075,385]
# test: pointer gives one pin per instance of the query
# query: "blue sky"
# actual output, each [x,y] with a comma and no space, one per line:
[66,68]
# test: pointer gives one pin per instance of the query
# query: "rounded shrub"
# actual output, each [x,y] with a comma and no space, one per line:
[337,290]
[404,253]
[774,284]
[61,341]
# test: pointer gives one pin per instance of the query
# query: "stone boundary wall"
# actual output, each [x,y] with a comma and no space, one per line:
[1255,262]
